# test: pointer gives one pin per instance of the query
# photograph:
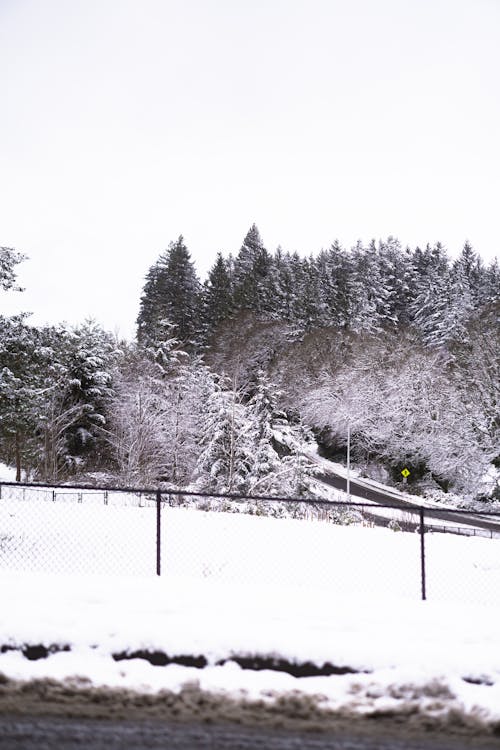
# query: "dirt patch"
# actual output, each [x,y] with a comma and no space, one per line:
[33,652]
[255,663]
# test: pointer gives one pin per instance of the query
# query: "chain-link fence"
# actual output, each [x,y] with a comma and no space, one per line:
[342,549]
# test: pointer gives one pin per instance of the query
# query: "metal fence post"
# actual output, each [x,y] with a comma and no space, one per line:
[422,553]
[158,532]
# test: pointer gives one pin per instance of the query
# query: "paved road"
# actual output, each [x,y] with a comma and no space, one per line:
[44,733]
[363,492]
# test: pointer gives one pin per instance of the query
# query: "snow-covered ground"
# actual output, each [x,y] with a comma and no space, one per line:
[238,585]
[116,534]
[437,659]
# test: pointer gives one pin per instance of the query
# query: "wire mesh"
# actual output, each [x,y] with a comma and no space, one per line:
[64,531]
[338,548]
[463,557]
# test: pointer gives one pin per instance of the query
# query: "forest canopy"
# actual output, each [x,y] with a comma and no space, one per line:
[228,377]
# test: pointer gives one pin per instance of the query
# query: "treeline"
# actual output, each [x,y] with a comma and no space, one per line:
[74,401]
[228,378]
[374,288]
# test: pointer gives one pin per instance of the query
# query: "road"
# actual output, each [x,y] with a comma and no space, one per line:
[49,733]
[360,491]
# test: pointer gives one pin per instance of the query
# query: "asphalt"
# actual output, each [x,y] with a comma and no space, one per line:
[50,733]
[440,516]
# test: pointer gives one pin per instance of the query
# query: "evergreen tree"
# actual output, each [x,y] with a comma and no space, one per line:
[395,270]
[90,355]
[217,295]
[336,276]
[252,274]
[298,271]
[313,309]
[9,259]
[366,290]
[431,299]
[172,293]
[469,270]
[266,467]
[490,284]
[452,326]
[151,313]
[35,414]
[284,288]
[19,391]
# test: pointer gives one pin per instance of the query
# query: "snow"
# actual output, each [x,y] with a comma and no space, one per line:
[236,585]
[7,473]
[407,648]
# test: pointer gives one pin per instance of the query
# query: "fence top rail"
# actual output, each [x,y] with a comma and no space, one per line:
[157,491]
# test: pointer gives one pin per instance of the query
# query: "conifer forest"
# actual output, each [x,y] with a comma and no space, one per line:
[231,376]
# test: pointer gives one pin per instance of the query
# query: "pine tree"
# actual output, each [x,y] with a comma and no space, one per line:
[469,268]
[252,274]
[151,313]
[395,270]
[366,290]
[9,259]
[490,284]
[336,276]
[299,274]
[171,293]
[265,471]
[90,356]
[284,289]
[431,301]
[19,391]
[36,413]
[217,295]
[452,326]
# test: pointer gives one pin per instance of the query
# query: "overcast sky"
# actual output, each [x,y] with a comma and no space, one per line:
[125,123]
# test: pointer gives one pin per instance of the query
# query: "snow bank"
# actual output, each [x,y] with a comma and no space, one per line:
[434,658]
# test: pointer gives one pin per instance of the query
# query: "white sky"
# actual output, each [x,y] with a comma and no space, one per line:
[125,123]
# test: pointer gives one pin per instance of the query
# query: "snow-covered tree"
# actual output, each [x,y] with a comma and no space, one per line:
[429,309]
[252,274]
[90,354]
[156,418]
[19,391]
[367,292]
[9,259]
[135,429]
[217,295]
[336,269]
[226,456]
[171,292]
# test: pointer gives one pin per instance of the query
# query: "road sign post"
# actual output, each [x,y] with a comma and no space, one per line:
[405,474]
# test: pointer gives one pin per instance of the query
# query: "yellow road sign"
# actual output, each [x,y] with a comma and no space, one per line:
[405,472]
